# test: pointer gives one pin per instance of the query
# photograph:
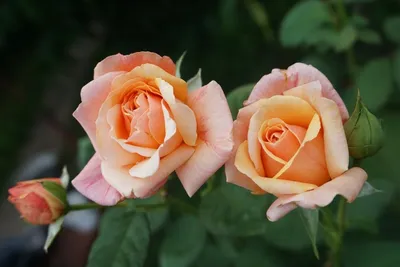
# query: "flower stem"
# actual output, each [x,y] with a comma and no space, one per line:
[341,228]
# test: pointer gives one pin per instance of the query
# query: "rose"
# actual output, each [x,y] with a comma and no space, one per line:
[144,124]
[289,141]
[39,201]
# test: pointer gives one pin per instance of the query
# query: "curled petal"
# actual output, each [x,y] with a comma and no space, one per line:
[347,185]
[214,126]
[93,95]
[131,187]
[90,183]
[120,62]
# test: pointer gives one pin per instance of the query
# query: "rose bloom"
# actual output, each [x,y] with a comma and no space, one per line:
[289,141]
[144,125]
[35,204]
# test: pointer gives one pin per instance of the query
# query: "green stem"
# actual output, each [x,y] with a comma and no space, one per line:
[88,206]
[341,228]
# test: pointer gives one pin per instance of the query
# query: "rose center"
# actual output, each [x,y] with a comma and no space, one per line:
[275,133]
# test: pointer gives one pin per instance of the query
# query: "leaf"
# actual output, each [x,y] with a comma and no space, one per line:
[369,36]
[65,177]
[375,83]
[255,254]
[237,96]
[179,64]
[346,39]
[391,28]
[367,190]
[372,254]
[56,190]
[211,256]
[123,240]
[359,21]
[302,20]
[288,233]
[156,218]
[310,218]
[195,82]
[396,68]
[183,242]
[85,151]
[233,211]
[52,232]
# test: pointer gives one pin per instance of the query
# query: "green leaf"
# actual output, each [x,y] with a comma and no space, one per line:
[302,20]
[256,254]
[359,21]
[179,64]
[52,232]
[56,190]
[391,28]
[237,96]
[195,82]
[375,83]
[183,242]
[373,254]
[288,233]
[65,177]
[233,211]
[211,256]
[123,240]
[346,39]
[156,218]
[310,218]
[396,68]
[85,151]
[369,36]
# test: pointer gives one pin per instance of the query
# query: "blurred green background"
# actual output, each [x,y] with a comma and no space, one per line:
[48,50]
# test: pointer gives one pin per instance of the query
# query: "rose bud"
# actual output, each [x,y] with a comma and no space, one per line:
[364,132]
[39,201]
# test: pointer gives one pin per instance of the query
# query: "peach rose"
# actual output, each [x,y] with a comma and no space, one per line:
[289,141]
[144,124]
[35,202]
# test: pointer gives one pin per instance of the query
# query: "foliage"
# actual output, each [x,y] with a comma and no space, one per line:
[354,42]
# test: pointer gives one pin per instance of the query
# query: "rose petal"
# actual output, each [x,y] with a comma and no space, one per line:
[336,149]
[137,187]
[269,85]
[347,185]
[120,62]
[148,73]
[183,115]
[214,125]
[300,73]
[156,119]
[273,186]
[93,95]
[90,183]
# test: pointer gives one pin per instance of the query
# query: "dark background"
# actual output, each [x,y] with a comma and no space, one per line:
[48,50]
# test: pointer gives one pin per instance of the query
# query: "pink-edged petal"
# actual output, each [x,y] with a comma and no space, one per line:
[300,73]
[269,85]
[120,62]
[183,115]
[90,183]
[214,126]
[240,128]
[348,185]
[93,95]
[138,187]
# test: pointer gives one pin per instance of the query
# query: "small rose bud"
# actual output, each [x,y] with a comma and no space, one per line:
[39,201]
[364,132]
